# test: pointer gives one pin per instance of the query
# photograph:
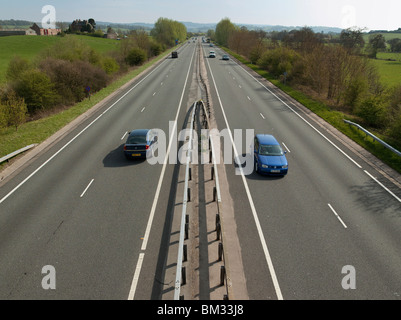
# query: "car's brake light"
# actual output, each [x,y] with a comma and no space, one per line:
[125,148]
[147,147]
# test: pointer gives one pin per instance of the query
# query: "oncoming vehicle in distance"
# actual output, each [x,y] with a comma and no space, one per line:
[212,54]
[226,57]
[269,157]
[174,55]
[140,144]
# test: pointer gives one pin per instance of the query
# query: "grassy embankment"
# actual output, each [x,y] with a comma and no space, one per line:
[335,118]
[39,130]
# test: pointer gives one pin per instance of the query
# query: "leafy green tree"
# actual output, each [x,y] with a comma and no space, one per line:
[302,40]
[15,110]
[376,42]
[110,65]
[37,90]
[211,34]
[168,31]
[353,92]
[136,57]
[352,40]
[373,111]
[395,45]
[155,48]
[281,60]
[223,31]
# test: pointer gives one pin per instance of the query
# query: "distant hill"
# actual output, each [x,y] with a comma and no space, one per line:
[191,26]
[270,28]
[124,26]
[204,27]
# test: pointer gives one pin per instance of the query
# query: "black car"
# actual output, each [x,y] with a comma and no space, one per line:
[174,55]
[140,144]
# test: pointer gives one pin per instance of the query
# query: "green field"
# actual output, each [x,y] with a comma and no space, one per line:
[390,71]
[387,36]
[30,47]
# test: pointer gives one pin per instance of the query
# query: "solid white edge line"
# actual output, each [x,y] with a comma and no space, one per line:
[383,186]
[338,217]
[250,199]
[73,139]
[306,121]
[86,189]
[136,276]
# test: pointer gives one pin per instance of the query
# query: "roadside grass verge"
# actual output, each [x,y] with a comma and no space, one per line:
[335,118]
[39,130]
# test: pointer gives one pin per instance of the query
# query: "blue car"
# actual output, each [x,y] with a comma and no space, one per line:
[140,144]
[269,157]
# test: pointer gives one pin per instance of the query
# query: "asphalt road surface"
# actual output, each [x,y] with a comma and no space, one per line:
[85,210]
[328,230]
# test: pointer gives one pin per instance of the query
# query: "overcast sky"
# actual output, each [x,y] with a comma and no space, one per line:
[370,14]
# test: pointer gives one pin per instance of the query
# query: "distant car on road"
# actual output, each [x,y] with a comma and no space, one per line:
[174,54]
[140,144]
[212,54]
[226,57]
[269,157]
